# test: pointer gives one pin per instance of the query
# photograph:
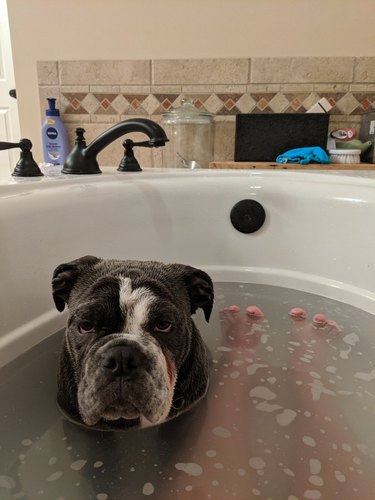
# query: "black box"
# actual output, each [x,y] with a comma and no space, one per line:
[367,133]
[263,137]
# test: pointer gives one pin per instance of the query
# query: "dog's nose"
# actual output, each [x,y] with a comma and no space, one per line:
[122,361]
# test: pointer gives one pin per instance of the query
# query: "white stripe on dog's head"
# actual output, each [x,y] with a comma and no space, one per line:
[135,304]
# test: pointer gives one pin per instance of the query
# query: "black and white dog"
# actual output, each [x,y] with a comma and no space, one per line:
[131,354]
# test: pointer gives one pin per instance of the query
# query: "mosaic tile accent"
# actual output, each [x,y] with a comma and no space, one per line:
[350,103]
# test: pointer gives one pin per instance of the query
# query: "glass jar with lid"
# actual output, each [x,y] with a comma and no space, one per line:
[191,137]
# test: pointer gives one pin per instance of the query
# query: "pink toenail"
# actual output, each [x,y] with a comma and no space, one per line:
[234,309]
[254,312]
[298,313]
[320,320]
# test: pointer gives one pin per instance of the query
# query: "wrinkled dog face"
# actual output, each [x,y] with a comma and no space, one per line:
[125,373]
[129,333]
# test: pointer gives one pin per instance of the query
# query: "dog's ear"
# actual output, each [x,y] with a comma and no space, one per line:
[65,276]
[201,290]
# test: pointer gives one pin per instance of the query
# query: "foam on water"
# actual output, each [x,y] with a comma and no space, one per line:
[289,414]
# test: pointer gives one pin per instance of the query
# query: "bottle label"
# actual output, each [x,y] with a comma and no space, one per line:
[52,133]
[50,121]
[53,154]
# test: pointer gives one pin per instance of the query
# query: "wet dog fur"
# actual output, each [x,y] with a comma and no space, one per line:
[131,355]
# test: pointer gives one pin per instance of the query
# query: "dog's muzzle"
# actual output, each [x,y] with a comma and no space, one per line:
[125,376]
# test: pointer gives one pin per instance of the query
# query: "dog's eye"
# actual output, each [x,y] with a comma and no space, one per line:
[86,327]
[163,326]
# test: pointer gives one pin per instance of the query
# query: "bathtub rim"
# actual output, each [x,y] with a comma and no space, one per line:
[346,177]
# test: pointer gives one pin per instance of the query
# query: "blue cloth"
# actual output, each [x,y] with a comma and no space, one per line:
[304,156]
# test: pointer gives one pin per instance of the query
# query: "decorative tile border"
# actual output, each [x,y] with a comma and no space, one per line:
[349,103]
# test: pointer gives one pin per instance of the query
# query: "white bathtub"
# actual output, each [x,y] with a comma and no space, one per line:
[319,234]
[281,397]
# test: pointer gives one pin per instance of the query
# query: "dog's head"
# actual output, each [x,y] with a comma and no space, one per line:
[129,337]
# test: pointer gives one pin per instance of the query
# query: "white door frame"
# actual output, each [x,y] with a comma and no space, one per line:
[9,119]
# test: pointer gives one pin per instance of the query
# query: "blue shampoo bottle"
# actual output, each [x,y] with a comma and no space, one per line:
[54,136]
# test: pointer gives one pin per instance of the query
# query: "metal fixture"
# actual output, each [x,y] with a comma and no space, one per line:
[26,165]
[82,159]
[129,163]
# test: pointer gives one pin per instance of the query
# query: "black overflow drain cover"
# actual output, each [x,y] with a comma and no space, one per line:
[247,216]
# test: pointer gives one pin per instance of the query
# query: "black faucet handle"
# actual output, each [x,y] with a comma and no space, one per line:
[143,144]
[9,145]
[80,138]
[79,132]
[24,144]
[26,165]
[129,163]
[152,143]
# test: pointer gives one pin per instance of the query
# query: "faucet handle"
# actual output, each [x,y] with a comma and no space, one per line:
[9,145]
[129,163]
[152,143]
[80,138]
[24,145]
[143,144]
[26,165]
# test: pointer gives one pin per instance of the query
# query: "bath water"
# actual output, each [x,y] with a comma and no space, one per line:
[290,414]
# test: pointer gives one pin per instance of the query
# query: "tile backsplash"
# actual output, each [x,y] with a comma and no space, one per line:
[96,94]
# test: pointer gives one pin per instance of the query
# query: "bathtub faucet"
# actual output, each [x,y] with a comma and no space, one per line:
[82,158]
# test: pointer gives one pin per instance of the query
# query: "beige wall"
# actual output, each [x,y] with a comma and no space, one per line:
[151,29]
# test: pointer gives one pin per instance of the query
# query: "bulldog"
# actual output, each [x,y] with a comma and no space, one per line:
[131,354]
